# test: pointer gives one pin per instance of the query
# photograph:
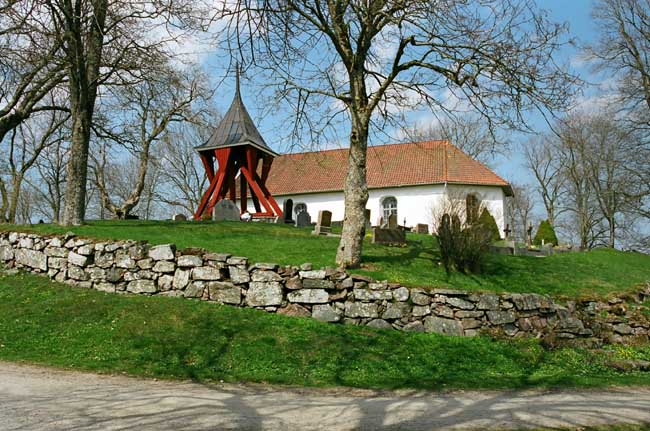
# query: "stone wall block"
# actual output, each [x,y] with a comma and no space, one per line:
[488,302]
[310,283]
[141,286]
[163,252]
[164,266]
[31,258]
[239,274]
[460,303]
[501,317]
[419,298]
[361,309]
[368,295]
[78,259]
[56,251]
[123,260]
[265,276]
[326,313]
[401,294]
[308,296]
[181,279]
[189,261]
[396,311]
[224,292]
[443,326]
[206,273]
[6,253]
[314,274]
[77,273]
[261,294]
[237,260]
[195,289]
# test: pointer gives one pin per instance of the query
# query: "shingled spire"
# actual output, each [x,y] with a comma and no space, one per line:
[235,152]
[236,128]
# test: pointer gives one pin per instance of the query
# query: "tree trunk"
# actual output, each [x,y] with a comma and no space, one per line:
[77,168]
[356,197]
[13,198]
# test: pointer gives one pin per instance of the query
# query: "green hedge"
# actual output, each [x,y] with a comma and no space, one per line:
[545,232]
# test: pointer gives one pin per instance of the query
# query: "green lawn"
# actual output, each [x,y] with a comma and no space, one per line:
[47,323]
[596,272]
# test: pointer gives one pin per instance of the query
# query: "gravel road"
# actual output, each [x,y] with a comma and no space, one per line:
[35,398]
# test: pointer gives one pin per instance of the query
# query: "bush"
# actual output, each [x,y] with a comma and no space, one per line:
[487,222]
[545,232]
[461,249]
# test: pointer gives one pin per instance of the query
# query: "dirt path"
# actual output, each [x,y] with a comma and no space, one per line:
[34,398]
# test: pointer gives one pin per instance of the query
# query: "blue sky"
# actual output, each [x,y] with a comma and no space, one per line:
[577,13]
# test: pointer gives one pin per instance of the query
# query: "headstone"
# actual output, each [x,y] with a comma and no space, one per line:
[179,217]
[324,223]
[367,217]
[507,231]
[422,228]
[303,219]
[388,236]
[287,211]
[226,210]
[392,221]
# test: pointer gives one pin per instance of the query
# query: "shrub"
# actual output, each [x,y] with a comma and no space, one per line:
[487,222]
[462,249]
[545,232]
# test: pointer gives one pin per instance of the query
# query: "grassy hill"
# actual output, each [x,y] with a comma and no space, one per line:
[48,323]
[587,273]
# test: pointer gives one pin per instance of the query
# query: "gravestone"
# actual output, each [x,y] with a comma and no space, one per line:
[422,228]
[303,219]
[179,217]
[392,221]
[287,211]
[324,223]
[388,236]
[226,210]
[507,231]
[529,235]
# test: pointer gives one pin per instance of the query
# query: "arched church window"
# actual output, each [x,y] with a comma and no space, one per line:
[472,205]
[388,207]
[300,206]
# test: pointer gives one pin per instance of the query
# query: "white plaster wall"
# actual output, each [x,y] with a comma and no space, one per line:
[416,204]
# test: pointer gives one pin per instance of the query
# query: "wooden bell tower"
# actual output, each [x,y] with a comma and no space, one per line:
[238,148]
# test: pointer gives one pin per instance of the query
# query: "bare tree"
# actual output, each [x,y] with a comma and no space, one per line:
[148,109]
[368,60]
[520,208]
[24,147]
[546,164]
[30,63]
[624,27]
[469,132]
[182,174]
[49,183]
[106,42]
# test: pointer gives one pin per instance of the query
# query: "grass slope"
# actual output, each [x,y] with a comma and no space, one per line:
[595,272]
[47,323]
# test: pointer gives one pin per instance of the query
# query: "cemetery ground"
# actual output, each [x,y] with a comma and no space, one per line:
[599,272]
[46,323]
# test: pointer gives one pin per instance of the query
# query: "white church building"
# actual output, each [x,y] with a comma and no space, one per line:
[412,180]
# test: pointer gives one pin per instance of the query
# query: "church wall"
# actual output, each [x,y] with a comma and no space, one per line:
[416,204]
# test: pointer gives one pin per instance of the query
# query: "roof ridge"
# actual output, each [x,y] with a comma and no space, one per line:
[430,141]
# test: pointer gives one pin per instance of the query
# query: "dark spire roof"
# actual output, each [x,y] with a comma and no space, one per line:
[236,128]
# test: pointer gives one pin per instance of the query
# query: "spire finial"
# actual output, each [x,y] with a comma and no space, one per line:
[237,93]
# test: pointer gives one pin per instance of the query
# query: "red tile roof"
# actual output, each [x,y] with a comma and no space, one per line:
[428,162]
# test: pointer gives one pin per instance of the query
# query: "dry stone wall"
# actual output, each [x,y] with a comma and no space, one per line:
[327,294]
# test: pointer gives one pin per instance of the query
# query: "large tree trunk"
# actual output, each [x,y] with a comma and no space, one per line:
[356,197]
[77,168]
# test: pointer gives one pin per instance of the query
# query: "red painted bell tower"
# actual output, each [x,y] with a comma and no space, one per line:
[238,148]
